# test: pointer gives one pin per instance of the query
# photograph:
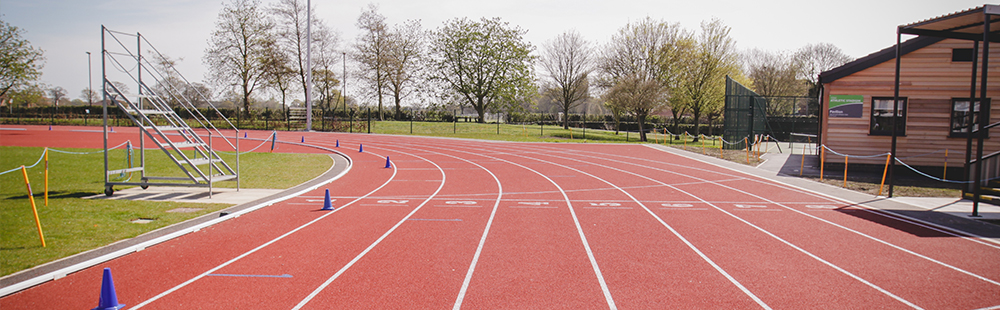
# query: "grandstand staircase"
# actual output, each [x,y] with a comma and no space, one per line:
[192,151]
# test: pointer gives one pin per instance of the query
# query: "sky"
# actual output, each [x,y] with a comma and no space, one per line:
[67,29]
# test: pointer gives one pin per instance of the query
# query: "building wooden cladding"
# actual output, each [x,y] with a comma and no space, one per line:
[929,80]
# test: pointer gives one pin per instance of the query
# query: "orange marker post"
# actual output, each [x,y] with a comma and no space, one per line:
[944,175]
[884,171]
[34,210]
[802,166]
[845,170]
[747,143]
[720,147]
[703,146]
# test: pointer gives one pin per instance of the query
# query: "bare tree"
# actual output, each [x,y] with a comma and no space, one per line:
[816,58]
[238,47]
[775,74]
[568,60]
[643,52]
[326,58]
[279,75]
[636,95]
[703,87]
[291,31]
[372,52]
[57,93]
[403,60]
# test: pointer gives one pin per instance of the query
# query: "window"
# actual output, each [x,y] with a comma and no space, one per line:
[881,122]
[961,55]
[960,116]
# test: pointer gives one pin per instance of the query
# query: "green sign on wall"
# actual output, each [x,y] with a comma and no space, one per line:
[846,105]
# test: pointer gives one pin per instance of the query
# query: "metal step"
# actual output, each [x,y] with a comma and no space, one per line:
[182,145]
[152,112]
[202,161]
[221,178]
[120,171]
[165,128]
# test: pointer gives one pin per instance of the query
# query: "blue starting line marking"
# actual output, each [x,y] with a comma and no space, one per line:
[438,220]
[249,275]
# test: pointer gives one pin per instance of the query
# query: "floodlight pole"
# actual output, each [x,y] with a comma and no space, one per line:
[308,67]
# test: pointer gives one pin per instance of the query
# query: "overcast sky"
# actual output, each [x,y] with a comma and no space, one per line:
[67,29]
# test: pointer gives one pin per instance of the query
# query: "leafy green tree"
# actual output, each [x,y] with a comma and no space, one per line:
[486,62]
[702,87]
[20,63]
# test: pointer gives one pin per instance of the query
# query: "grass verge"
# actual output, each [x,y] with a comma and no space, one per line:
[72,225]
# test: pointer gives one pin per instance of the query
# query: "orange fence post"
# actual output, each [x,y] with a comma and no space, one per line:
[34,209]
[944,175]
[887,156]
[747,143]
[721,142]
[802,166]
[845,170]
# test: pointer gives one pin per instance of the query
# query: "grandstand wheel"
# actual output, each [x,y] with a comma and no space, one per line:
[108,191]
[144,186]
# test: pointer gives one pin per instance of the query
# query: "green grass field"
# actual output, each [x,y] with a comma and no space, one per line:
[72,224]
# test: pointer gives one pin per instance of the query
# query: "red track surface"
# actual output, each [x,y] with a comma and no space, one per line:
[534,226]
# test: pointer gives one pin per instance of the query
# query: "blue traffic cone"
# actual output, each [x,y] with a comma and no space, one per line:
[244,135]
[361,148]
[338,142]
[50,127]
[109,299]
[387,164]
[303,139]
[327,206]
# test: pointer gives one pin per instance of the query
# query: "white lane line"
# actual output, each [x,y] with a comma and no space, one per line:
[227,263]
[482,240]
[873,238]
[672,230]
[860,205]
[379,240]
[579,229]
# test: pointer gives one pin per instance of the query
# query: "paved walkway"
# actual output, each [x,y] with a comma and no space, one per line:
[785,164]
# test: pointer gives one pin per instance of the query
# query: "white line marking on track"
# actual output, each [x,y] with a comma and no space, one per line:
[258,248]
[377,241]
[990,308]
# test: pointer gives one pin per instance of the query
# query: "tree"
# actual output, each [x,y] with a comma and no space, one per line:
[403,60]
[239,47]
[641,53]
[372,52]
[816,58]
[57,93]
[291,31]
[27,95]
[702,87]
[775,75]
[326,57]
[20,63]
[88,95]
[279,75]
[485,62]
[638,96]
[568,61]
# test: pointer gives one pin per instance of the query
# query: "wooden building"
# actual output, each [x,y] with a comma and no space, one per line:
[935,84]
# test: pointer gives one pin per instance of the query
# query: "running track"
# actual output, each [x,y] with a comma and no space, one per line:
[494,225]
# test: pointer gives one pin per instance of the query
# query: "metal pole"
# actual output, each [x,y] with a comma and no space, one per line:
[982,120]
[308,67]
[90,88]
[971,119]
[369,120]
[895,114]
[104,108]
[344,92]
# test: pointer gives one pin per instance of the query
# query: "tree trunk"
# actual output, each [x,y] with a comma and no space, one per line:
[697,120]
[642,126]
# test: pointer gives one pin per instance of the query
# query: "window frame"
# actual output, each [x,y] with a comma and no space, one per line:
[901,127]
[952,117]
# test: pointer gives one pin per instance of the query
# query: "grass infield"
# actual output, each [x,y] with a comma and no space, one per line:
[72,224]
